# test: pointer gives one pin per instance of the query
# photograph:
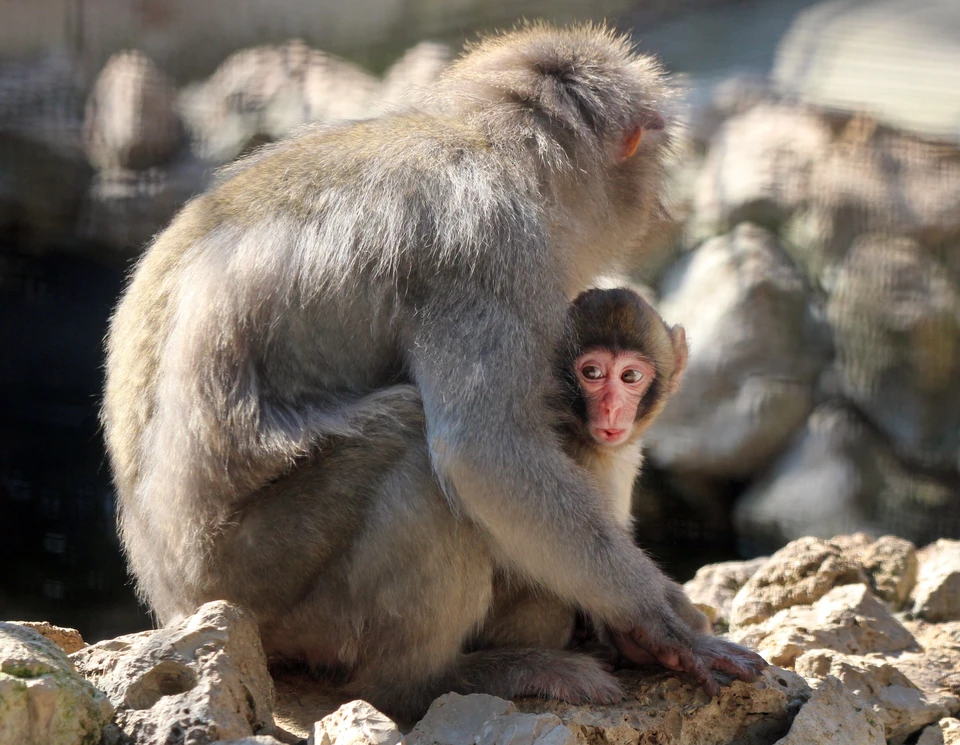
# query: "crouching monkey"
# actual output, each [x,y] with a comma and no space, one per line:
[326,384]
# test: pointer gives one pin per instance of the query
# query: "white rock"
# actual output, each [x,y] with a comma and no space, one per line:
[417,68]
[847,619]
[201,680]
[755,352]
[825,482]
[834,716]
[69,640]
[479,719]
[661,707]
[895,316]
[717,584]
[43,700]
[898,703]
[265,92]
[936,596]
[124,209]
[892,565]
[936,668]
[800,573]
[131,119]
[944,732]
[355,723]
[758,168]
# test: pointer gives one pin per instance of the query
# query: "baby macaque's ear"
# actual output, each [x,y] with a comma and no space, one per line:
[680,355]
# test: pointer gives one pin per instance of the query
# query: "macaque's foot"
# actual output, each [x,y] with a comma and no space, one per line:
[586,681]
[711,662]
[642,648]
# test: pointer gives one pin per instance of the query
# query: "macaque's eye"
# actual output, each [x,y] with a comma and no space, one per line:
[631,376]
[591,372]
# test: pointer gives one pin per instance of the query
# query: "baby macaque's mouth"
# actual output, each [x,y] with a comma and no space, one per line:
[610,435]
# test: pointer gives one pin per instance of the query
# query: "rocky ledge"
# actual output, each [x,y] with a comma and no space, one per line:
[864,634]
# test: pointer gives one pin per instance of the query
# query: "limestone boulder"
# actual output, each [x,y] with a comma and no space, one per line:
[824,482]
[123,209]
[417,68]
[936,596]
[758,168]
[756,349]
[69,640]
[944,732]
[661,707]
[895,317]
[479,719]
[892,565]
[263,93]
[898,703]
[43,700]
[839,56]
[355,723]
[834,715]
[715,585]
[131,118]
[847,619]
[201,680]
[800,573]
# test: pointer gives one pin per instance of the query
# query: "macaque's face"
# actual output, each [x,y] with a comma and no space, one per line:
[613,385]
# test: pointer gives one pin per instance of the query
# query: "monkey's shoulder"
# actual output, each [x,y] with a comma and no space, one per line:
[381,147]
[439,174]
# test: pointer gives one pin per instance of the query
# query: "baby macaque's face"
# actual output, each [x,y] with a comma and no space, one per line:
[613,385]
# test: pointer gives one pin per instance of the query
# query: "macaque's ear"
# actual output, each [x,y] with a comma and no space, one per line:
[631,142]
[632,137]
[680,354]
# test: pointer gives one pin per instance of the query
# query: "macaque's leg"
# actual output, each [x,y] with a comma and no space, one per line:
[398,581]
[424,582]
[524,616]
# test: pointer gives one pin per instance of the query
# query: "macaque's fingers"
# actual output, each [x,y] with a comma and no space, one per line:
[714,662]
[728,657]
[695,666]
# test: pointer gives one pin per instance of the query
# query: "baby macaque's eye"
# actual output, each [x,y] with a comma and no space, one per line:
[631,376]
[591,372]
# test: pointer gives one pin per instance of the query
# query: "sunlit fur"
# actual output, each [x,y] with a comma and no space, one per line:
[617,320]
[324,396]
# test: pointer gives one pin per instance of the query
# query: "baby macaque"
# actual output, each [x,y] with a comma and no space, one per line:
[621,368]
[617,371]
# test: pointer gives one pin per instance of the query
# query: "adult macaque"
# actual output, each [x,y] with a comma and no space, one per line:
[325,382]
[617,372]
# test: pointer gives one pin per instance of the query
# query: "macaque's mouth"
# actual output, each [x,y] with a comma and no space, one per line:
[610,436]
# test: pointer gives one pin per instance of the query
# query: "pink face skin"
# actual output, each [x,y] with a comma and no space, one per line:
[613,386]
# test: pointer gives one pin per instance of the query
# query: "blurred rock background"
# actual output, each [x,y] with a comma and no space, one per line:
[815,258]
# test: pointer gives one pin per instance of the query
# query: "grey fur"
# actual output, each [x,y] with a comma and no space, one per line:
[361,315]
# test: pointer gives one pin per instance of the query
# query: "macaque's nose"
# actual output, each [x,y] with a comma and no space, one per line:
[612,405]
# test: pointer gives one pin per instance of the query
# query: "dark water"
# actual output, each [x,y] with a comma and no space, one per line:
[59,551]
